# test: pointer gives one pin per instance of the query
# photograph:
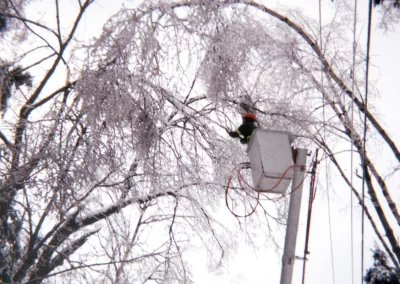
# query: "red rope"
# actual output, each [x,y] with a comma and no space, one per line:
[275,186]
[258,191]
[227,204]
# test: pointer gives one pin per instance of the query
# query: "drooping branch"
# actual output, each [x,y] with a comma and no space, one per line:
[131,244]
[349,131]
[4,139]
[392,205]
[44,270]
[72,225]
[331,156]
[371,190]
[47,253]
[18,173]
[27,108]
[25,20]
[328,69]
[97,264]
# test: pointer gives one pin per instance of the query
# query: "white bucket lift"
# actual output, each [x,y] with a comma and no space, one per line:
[270,157]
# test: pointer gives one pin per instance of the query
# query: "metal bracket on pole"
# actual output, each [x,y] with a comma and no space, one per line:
[289,254]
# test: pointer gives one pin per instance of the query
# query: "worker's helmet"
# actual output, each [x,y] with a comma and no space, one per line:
[250,115]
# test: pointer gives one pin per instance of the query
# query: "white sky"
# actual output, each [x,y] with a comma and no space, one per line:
[263,265]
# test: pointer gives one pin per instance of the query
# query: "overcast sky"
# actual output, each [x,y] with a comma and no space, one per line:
[263,266]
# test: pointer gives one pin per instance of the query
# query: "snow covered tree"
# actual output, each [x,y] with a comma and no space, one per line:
[14,77]
[381,272]
[113,163]
[395,3]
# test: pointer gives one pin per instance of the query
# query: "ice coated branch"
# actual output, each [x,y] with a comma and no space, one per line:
[70,226]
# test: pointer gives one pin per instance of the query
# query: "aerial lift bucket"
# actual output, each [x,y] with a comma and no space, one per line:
[271,162]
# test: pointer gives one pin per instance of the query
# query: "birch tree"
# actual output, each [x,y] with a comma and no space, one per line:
[116,157]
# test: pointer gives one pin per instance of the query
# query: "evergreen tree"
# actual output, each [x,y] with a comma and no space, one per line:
[396,3]
[9,78]
[381,272]
[3,19]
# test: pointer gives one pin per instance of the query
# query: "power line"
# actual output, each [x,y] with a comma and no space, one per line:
[352,142]
[309,214]
[324,133]
[365,168]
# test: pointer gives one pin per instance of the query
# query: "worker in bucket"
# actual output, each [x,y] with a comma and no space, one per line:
[246,129]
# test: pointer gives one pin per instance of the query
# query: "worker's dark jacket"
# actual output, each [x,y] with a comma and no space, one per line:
[244,131]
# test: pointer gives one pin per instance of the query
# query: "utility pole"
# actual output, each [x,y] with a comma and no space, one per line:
[289,253]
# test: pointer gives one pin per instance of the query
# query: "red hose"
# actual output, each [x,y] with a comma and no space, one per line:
[227,204]
[259,191]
